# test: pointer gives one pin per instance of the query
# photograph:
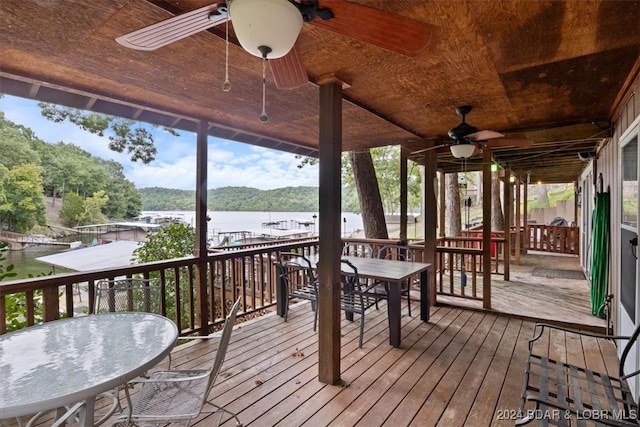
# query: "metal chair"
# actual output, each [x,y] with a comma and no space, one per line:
[398,253]
[179,395]
[300,281]
[130,294]
[356,296]
[121,295]
[364,250]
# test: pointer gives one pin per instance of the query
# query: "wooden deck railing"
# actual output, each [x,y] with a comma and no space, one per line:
[559,239]
[237,272]
[458,262]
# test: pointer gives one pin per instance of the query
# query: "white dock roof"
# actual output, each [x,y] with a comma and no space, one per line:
[99,257]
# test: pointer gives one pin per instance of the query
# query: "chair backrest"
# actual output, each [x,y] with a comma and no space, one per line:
[364,250]
[396,252]
[223,344]
[129,294]
[350,279]
[295,270]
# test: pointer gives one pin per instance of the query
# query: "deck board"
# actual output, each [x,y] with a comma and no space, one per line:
[461,368]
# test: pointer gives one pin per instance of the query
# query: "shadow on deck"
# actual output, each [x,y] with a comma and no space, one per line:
[560,301]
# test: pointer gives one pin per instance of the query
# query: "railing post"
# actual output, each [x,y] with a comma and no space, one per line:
[50,304]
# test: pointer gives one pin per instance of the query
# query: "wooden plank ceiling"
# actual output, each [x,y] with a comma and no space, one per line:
[550,71]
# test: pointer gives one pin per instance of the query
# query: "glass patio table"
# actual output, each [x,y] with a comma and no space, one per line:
[395,273]
[73,360]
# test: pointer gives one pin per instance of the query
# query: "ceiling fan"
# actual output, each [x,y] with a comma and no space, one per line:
[269,29]
[465,138]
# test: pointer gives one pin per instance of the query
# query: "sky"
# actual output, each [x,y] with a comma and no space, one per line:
[229,164]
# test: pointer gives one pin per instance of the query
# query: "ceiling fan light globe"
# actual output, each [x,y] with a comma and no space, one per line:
[462,151]
[271,23]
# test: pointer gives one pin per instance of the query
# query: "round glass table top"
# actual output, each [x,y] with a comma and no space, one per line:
[66,361]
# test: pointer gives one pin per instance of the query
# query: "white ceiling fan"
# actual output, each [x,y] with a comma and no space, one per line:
[269,29]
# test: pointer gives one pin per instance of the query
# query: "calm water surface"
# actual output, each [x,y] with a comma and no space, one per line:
[25,262]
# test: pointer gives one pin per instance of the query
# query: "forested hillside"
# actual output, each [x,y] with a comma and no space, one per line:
[288,199]
[94,189]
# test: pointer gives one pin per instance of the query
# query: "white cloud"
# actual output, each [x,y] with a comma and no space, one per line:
[229,163]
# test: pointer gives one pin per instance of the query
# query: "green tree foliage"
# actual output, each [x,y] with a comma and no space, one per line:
[124,199]
[288,199]
[24,204]
[77,211]
[126,135]
[173,241]
[386,161]
[16,304]
[72,210]
[6,271]
[64,168]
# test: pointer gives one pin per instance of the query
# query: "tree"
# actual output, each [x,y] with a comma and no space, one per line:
[126,135]
[72,210]
[366,182]
[452,205]
[173,241]
[75,211]
[542,195]
[24,204]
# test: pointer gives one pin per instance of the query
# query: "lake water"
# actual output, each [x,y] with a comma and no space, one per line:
[25,263]
[239,221]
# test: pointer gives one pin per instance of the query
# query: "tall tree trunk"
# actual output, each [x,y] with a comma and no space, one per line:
[497,218]
[477,176]
[543,197]
[364,176]
[452,204]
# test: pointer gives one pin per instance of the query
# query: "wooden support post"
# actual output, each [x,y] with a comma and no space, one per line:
[200,250]
[525,217]
[404,189]
[486,227]
[442,204]
[430,218]
[518,221]
[508,209]
[330,243]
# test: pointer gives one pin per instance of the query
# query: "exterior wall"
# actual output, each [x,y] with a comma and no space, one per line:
[608,164]
[564,209]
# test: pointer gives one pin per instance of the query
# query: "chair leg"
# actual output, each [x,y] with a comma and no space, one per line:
[409,297]
[361,329]
[315,317]
[224,410]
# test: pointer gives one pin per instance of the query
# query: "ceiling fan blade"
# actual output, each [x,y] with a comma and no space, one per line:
[389,31]
[509,142]
[175,28]
[424,150]
[484,135]
[289,71]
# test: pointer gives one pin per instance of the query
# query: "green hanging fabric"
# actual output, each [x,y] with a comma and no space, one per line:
[600,254]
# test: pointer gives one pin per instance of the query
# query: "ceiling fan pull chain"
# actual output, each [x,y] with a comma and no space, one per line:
[227,84]
[265,50]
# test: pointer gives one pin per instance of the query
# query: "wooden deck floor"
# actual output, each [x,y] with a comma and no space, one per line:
[563,301]
[462,368]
